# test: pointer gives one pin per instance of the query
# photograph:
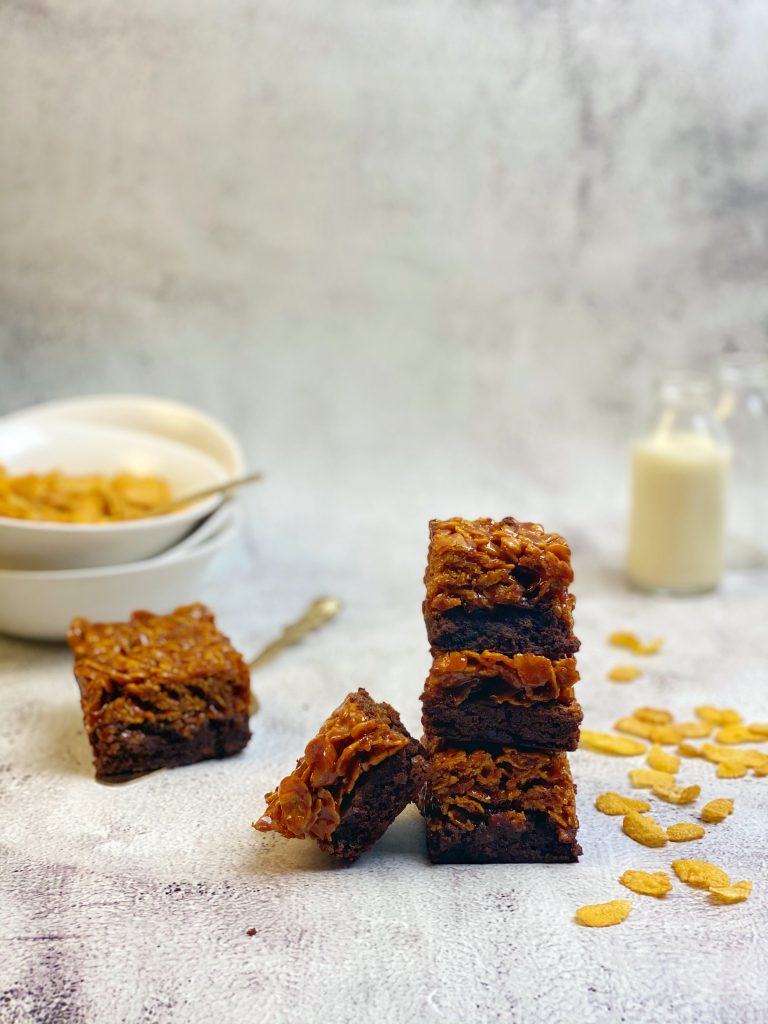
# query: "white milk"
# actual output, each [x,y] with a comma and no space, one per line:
[678,511]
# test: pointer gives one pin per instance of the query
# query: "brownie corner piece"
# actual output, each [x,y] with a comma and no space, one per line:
[160,691]
[355,777]
[499,805]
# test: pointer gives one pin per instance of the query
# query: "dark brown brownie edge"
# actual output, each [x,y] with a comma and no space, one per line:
[127,751]
[378,798]
[539,726]
[505,629]
[498,840]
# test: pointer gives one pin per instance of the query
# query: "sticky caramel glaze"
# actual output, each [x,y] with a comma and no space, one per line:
[308,802]
[482,563]
[158,667]
[519,679]
[465,786]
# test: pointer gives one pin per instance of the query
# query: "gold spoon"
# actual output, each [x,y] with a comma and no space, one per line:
[206,492]
[318,612]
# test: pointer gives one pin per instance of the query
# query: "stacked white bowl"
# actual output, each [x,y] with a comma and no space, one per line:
[52,571]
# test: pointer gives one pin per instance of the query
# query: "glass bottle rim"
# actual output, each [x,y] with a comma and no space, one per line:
[677,385]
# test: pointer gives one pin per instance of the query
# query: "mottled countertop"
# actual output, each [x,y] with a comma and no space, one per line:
[133,903]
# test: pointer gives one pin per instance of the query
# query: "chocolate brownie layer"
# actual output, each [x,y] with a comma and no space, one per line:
[536,726]
[484,804]
[118,751]
[376,801]
[500,840]
[354,778]
[506,629]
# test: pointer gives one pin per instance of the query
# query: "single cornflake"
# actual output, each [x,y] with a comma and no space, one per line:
[645,778]
[716,810]
[607,743]
[666,734]
[731,770]
[643,829]
[700,874]
[647,883]
[693,730]
[656,716]
[676,794]
[634,727]
[759,729]
[684,832]
[601,915]
[736,893]
[614,803]
[731,734]
[749,758]
[624,673]
[718,716]
[686,749]
[633,643]
[662,760]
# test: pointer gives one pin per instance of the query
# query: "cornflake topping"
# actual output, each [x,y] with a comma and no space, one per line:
[603,915]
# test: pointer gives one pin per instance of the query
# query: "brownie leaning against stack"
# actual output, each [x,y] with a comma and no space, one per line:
[498,705]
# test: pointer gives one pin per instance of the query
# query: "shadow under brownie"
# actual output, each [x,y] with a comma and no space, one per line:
[499,805]
[354,778]
[160,691]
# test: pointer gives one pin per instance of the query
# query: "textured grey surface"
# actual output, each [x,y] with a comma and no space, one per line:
[421,258]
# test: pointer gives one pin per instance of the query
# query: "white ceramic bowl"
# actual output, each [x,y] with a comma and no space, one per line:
[41,605]
[40,444]
[159,416]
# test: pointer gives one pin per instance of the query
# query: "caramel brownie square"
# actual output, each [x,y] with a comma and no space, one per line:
[498,586]
[160,691]
[521,701]
[486,805]
[354,778]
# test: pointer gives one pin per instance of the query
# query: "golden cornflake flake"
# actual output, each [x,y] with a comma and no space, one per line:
[624,673]
[652,647]
[730,893]
[645,778]
[759,729]
[700,874]
[601,915]
[662,760]
[656,716]
[693,730]
[607,743]
[718,716]
[676,794]
[634,727]
[716,810]
[643,829]
[666,734]
[731,770]
[749,758]
[615,803]
[684,832]
[685,749]
[634,643]
[737,734]
[647,883]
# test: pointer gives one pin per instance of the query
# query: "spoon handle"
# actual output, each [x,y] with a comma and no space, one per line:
[320,611]
[206,492]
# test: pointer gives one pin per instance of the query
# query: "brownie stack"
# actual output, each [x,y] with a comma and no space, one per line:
[498,704]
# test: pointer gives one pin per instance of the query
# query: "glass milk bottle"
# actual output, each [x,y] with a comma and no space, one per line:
[679,479]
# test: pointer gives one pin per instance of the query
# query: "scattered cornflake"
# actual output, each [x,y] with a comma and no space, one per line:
[716,810]
[700,874]
[759,729]
[684,832]
[731,770]
[736,893]
[647,883]
[665,734]
[634,643]
[693,730]
[643,829]
[624,673]
[749,758]
[718,716]
[729,734]
[601,915]
[645,778]
[634,727]
[606,743]
[615,803]
[685,749]
[676,794]
[662,760]
[656,716]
